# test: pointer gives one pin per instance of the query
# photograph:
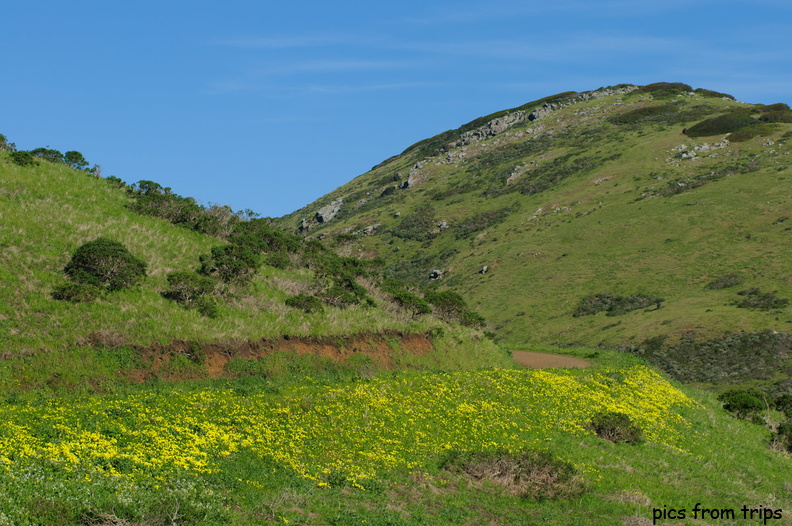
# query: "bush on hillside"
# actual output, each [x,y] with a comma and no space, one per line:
[743,403]
[451,305]
[6,146]
[644,113]
[721,125]
[305,303]
[48,154]
[192,291]
[531,474]
[479,222]
[784,404]
[754,298]
[22,158]
[616,427]
[783,436]
[784,116]
[614,305]
[75,160]
[230,263]
[724,282]
[106,264]
[76,292]
[749,132]
[713,94]
[418,226]
[405,298]
[661,90]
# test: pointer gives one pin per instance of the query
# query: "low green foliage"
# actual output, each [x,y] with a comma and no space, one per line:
[616,427]
[479,222]
[743,403]
[713,94]
[614,305]
[660,90]
[305,302]
[76,292]
[22,158]
[407,299]
[724,282]
[531,474]
[230,263]
[721,125]
[419,226]
[754,298]
[105,263]
[192,290]
[452,306]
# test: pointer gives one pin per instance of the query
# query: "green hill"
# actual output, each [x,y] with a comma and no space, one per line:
[48,210]
[653,219]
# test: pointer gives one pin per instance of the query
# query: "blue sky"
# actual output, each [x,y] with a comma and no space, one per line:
[268,106]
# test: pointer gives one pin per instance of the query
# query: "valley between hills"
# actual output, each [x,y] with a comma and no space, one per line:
[362,360]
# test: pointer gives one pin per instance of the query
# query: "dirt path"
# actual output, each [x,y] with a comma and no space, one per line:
[541,360]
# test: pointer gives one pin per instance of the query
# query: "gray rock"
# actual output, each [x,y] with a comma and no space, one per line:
[484,269]
[326,213]
[436,274]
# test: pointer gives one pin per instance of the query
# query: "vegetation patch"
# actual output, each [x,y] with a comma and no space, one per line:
[616,427]
[743,403]
[754,298]
[479,222]
[613,305]
[531,474]
[721,125]
[724,282]
[418,226]
[105,264]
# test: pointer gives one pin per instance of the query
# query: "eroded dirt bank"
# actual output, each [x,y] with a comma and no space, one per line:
[158,360]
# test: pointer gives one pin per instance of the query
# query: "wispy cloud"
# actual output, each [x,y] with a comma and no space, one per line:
[329,66]
[280,42]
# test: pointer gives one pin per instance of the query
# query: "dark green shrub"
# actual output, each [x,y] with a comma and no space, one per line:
[616,427]
[6,146]
[721,125]
[743,403]
[22,158]
[405,298]
[75,160]
[783,436]
[531,474]
[48,154]
[643,114]
[749,132]
[479,222]
[778,106]
[230,263]
[724,282]
[713,94]
[784,116]
[76,292]
[305,303]
[279,260]
[614,305]
[188,288]
[105,263]
[451,305]
[116,182]
[418,226]
[754,298]
[665,89]
[784,404]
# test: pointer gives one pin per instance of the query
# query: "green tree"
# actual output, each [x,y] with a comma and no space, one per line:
[75,160]
[105,263]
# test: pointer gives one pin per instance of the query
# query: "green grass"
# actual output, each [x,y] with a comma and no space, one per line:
[640,217]
[376,450]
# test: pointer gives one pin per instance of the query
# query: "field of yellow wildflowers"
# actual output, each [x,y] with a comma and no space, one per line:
[255,455]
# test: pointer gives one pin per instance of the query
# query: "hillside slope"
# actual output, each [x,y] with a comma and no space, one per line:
[590,218]
[48,210]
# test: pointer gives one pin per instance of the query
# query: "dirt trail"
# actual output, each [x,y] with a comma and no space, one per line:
[541,360]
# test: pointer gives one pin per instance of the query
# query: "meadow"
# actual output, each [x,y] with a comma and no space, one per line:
[376,450]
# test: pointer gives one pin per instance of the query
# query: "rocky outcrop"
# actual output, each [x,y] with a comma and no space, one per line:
[326,213]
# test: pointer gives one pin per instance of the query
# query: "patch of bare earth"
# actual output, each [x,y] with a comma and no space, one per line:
[540,360]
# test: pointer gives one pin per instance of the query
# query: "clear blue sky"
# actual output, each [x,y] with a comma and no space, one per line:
[269,105]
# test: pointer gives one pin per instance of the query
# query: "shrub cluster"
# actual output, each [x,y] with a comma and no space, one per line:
[532,474]
[616,427]
[305,303]
[721,124]
[98,266]
[418,226]
[192,290]
[451,305]
[743,403]
[724,282]
[404,297]
[614,305]
[753,298]
[480,221]
[661,90]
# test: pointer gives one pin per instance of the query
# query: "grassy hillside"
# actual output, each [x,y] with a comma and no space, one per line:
[490,446]
[48,210]
[623,200]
